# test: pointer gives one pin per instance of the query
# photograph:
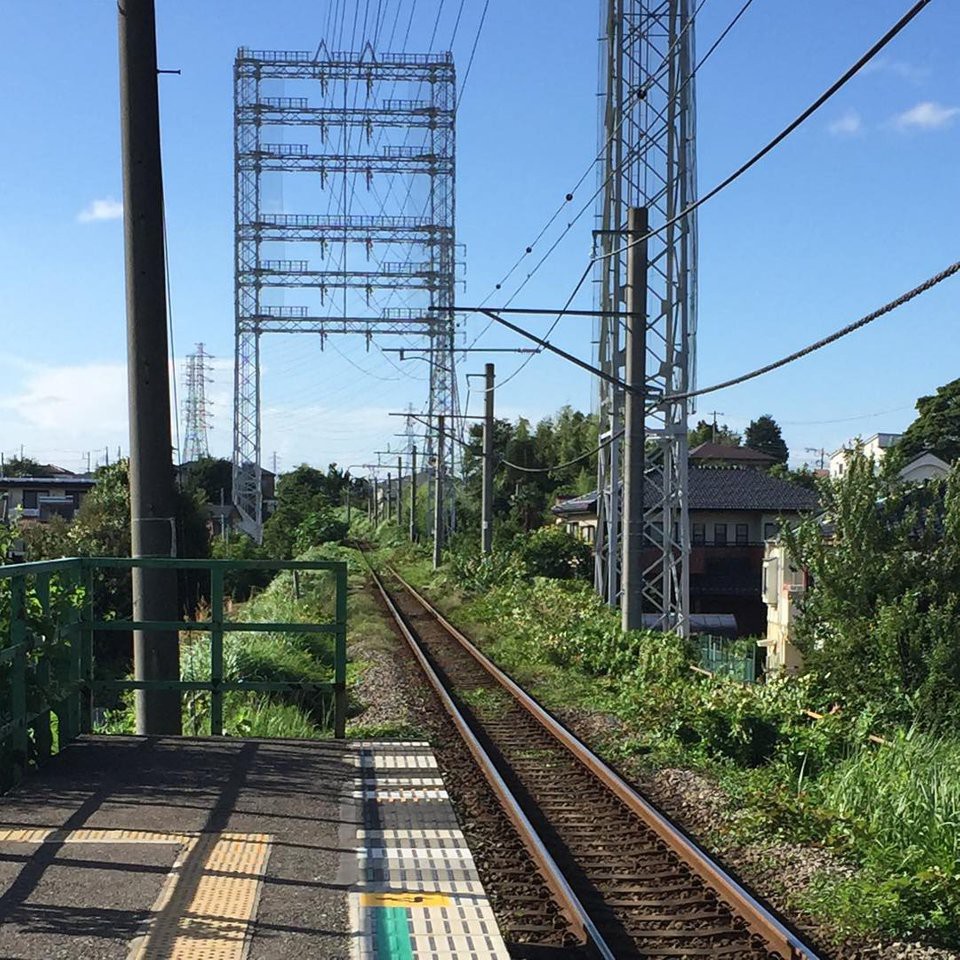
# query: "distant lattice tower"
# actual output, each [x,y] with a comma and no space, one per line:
[195,413]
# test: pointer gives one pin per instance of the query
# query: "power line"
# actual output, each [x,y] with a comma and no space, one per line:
[826,341]
[568,463]
[473,52]
[780,137]
[900,301]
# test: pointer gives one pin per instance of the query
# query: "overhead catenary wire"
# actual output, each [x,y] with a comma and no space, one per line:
[869,318]
[473,52]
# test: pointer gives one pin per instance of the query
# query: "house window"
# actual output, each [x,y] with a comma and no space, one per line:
[699,534]
[572,529]
[743,534]
[770,530]
[587,534]
[30,498]
[720,534]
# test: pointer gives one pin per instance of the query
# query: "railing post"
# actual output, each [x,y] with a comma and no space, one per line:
[216,651]
[18,673]
[42,732]
[340,657]
[83,659]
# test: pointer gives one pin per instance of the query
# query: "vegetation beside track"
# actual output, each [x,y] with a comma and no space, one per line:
[890,813]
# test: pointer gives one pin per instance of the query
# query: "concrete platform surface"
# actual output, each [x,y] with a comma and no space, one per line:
[140,848]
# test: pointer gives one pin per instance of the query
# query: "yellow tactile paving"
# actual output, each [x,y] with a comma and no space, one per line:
[91,836]
[404,899]
[207,909]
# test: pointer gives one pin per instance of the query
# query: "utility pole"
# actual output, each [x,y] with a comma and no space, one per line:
[631,564]
[438,497]
[715,414]
[389,496]
[486,518]
[348,506]
[376,502]
[156,654]
[399,492]
[413,494]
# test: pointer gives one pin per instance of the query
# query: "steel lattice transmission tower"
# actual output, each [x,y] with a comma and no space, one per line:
[358,131]
[196,416]
[648,133]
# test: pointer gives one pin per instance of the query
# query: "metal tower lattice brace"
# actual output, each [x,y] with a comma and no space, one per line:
[647,131]
[368,128]
[196,415]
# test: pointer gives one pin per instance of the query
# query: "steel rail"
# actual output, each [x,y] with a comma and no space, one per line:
[582,925]
[759,918]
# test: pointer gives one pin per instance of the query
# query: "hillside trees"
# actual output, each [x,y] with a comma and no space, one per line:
[705,432]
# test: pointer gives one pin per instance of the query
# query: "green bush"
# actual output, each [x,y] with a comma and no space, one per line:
[552,552]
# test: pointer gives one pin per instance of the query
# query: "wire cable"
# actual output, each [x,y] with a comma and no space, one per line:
[568,463]
[473,53]
[836,86]
[826,341]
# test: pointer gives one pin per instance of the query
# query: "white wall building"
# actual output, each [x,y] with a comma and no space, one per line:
[874,447]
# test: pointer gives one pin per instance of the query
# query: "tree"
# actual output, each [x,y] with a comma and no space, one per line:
[704,432]
[764,434]
[27,467]
[879,623]
[211,476]
[936,428]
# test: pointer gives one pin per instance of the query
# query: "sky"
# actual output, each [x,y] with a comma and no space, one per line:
[859,205]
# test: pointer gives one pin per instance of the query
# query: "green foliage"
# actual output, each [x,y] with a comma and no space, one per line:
[880,622]
[27,467]
[302,494]
[321,526]
[936,428]
[552,552]
[522,499]
[764,434]
[239,584]
[705,432]
[209,476]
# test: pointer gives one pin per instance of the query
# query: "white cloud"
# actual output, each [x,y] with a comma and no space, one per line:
[903,69]
[926,115]
[106,209]
[849,124]
[74,408]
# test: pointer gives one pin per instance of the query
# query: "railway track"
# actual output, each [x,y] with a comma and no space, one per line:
[628,882]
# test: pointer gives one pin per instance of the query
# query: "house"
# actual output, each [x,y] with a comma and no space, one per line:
[784,583]
[724,455]
[875,448]
[733,511]
[39,499]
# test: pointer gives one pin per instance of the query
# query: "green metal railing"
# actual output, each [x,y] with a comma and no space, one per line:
[727,658]
[47,682]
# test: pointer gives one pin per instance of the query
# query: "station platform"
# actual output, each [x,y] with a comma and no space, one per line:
[140,848]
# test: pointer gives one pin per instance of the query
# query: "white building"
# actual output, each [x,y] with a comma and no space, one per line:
[875,448]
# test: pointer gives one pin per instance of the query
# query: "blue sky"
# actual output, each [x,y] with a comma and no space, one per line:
[856,207]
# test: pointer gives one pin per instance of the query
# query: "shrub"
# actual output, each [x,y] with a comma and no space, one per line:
[552,552]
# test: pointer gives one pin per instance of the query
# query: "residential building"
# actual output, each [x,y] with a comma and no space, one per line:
[39,499]
[723,455]
[733,511]
[875,448]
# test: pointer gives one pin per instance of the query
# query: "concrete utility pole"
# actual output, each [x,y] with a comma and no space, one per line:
[486,518]
[631,565]
[376,502]
[389,497]
[438,497]
[413,494]
[399,492]
[156,654]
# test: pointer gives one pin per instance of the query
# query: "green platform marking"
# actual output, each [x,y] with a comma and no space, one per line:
[393,935]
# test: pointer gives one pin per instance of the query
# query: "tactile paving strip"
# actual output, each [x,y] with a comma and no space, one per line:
[419,895]
[208,910]
[207,906]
